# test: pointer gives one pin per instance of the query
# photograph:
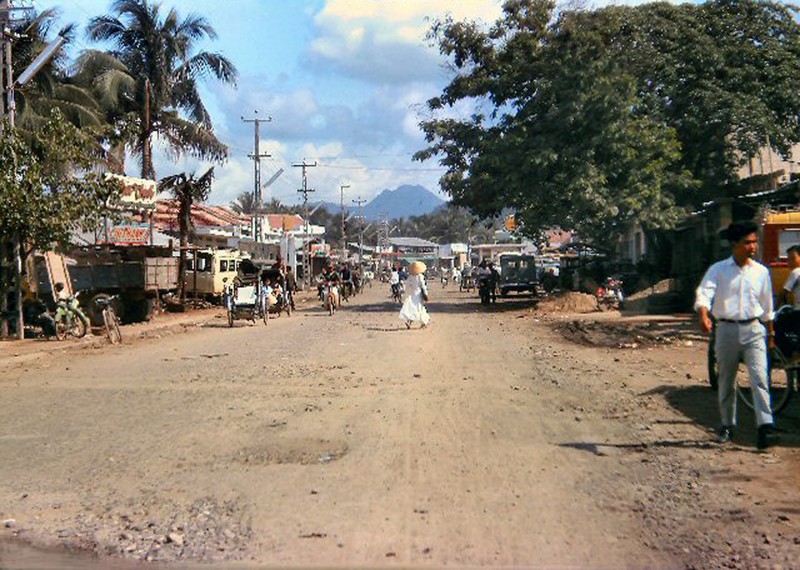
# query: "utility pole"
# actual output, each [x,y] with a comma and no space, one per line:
[10,274]
[256,156]
[344,239]
[360,202]
[306,243]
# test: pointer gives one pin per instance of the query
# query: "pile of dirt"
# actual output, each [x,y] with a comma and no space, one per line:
[627,335]
[569,302]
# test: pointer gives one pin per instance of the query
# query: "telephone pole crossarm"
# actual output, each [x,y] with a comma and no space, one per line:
[256,157]
[305,190]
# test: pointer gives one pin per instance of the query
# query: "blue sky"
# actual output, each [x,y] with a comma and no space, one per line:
[344,82]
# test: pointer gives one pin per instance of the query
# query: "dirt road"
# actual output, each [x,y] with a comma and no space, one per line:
[486,439]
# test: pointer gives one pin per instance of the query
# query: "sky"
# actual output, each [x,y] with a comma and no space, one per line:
[344,81]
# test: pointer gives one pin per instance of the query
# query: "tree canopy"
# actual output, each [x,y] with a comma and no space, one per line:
[597,119]
[42,199]
[150,79]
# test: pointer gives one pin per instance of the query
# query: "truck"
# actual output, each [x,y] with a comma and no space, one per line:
[138,275]
[213,268]
[519,272]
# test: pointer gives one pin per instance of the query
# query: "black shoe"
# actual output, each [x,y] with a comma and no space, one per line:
[766,436]
[725,434]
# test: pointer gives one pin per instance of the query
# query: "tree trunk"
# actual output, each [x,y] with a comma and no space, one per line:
[5,280]
[147,131]
[18,287]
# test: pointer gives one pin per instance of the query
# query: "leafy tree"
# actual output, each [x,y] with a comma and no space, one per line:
[187,189]
[597,119]
[151,78]
[47,187]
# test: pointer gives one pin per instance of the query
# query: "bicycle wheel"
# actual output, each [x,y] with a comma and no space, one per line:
[112,325]
[781,387]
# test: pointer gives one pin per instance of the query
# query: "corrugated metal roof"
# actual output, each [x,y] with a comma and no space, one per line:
[412,242]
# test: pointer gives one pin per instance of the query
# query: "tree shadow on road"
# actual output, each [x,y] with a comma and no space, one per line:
[506,305]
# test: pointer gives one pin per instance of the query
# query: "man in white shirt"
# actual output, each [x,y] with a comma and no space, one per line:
[737,291]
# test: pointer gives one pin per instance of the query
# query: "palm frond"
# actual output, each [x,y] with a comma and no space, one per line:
[205,64]
[104,28]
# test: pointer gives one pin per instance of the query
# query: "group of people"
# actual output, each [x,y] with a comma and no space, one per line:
[345,280]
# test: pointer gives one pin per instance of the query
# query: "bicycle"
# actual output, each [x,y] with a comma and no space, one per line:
[110,318]
[782,377]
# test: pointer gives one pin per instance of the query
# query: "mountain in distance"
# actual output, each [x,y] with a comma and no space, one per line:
[402,202]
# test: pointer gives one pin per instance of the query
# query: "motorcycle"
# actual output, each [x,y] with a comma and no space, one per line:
[485,289]
[609,295]
[397,292]
[70,320]
[330,297]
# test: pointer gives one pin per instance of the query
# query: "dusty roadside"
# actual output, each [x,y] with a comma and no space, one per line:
[490,438]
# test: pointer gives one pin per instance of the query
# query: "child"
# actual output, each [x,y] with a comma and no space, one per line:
[791,289]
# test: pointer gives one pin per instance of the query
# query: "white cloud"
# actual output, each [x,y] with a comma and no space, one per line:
[385,41]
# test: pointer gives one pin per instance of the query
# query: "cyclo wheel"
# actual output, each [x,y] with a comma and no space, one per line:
[782,384]
[112,325]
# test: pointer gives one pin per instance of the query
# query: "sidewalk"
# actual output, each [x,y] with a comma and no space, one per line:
[14,352]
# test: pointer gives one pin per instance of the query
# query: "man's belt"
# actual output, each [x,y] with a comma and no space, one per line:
[743,322]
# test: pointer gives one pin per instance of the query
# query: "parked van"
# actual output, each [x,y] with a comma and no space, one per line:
[213,267]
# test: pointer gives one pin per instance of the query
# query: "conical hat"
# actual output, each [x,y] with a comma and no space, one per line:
[417,267]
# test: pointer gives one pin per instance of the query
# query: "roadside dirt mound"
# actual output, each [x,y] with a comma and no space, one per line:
[628,335]
[570,302]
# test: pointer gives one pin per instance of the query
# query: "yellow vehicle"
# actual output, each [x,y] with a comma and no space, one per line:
[779,231]
[214,266]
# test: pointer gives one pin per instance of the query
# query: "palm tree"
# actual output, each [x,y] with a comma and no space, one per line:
[152,75]
[187,189]
[245,203]
[52,86]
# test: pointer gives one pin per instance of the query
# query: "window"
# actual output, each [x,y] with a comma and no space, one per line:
[786,239]
[223,265]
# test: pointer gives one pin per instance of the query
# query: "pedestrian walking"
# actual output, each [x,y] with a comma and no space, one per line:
[737,292]
[413,309]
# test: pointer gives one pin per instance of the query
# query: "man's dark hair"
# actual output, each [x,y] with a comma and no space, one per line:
[795,248]
[737,231]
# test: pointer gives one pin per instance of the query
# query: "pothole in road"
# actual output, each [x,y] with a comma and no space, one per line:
[293,451]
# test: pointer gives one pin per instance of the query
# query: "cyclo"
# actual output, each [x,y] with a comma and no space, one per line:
[779,231]
[280,301]
[245,297]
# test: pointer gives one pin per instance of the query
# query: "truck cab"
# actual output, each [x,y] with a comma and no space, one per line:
[213,267]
